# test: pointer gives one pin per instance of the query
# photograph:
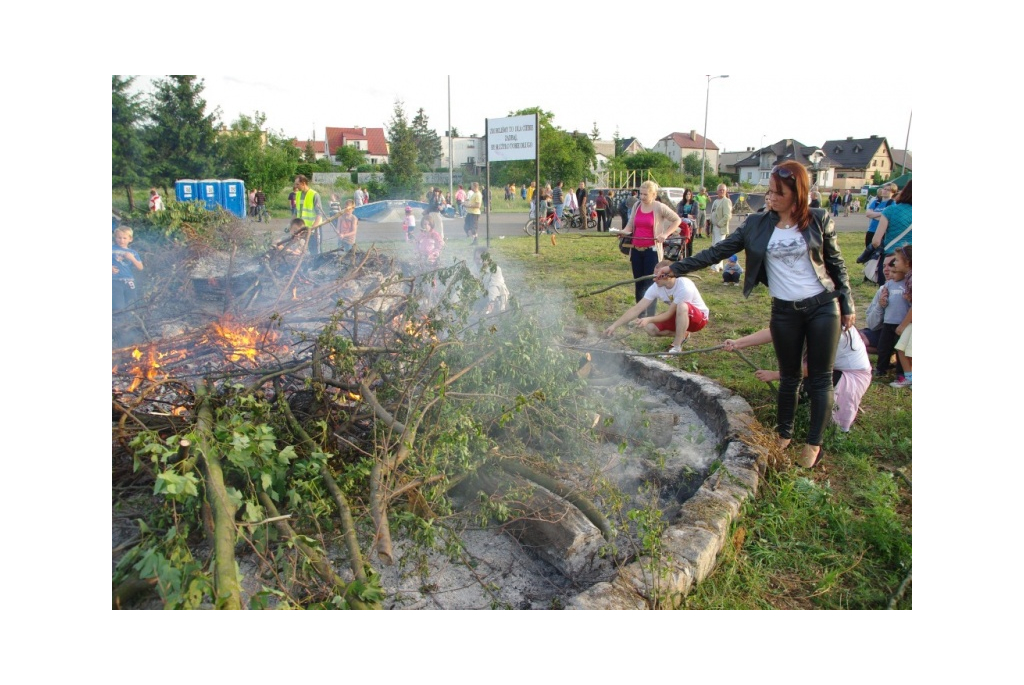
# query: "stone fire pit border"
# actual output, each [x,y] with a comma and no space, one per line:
[696,536]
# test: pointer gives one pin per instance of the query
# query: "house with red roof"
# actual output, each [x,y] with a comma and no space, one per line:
[372,141]
[319,150]
[678,146]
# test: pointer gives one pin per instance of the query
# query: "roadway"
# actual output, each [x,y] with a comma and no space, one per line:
[501,224]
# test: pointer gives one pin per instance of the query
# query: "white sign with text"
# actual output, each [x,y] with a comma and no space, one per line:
[512,138]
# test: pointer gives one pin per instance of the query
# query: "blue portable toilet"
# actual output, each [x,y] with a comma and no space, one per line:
[186,190]
[209,192]
[233,197]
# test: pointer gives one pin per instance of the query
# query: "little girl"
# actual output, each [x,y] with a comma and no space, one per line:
[409,224]
[429,242]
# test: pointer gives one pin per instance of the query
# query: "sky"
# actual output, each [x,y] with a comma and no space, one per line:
[734,122]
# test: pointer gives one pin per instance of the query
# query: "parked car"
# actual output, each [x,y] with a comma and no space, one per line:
[675,195]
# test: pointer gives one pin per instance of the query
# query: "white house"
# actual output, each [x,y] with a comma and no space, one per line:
[678,146]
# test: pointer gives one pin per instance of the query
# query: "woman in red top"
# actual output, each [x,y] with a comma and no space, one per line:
[650,223]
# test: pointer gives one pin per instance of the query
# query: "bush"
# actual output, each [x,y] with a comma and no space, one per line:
[178,220]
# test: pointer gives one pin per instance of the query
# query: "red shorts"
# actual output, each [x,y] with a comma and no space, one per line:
[698,320]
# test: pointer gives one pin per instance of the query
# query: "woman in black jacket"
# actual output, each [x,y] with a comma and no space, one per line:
[792,249]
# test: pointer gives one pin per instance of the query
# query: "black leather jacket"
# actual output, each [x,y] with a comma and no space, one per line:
[752,237]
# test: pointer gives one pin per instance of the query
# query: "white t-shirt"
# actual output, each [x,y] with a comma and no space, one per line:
[682,291]
[790,272]
[851,359]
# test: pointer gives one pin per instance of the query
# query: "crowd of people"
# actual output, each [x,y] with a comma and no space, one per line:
[790,246]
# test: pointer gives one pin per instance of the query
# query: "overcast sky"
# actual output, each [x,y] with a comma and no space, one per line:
[738,116]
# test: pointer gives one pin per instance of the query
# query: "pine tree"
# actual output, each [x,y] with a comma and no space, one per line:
[400,172]
[128,160]
[182,136]
[428,143]
[594,133]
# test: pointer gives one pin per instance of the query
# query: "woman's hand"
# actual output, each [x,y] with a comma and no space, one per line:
[641,322]
[730,346]
[849,320]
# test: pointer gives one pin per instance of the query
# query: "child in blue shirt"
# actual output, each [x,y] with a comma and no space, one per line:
[732,271]
[126,262]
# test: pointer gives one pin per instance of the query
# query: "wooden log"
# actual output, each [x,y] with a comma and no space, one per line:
[225,580]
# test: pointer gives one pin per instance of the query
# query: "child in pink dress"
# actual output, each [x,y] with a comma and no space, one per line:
[409,224]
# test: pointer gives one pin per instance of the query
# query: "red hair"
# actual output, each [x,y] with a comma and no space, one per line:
[797,181]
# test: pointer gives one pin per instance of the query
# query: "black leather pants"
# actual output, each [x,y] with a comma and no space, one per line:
[815,329]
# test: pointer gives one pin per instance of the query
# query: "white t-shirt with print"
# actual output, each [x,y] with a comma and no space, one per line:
[683,290]
[790,272]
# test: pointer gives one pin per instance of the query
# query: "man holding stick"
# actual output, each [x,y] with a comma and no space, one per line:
[686,311]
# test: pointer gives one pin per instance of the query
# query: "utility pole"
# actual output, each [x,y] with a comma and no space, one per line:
[704,153]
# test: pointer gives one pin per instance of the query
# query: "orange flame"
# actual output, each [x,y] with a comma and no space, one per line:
[149,366]
[242,342]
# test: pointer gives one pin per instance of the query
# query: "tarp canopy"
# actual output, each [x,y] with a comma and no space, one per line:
[901,181]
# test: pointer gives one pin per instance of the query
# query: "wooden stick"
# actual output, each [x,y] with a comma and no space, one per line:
[613,285]
[673,354]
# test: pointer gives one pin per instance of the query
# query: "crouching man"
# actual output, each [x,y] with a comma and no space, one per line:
[686,311]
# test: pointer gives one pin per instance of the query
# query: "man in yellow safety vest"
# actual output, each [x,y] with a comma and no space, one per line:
[310,210]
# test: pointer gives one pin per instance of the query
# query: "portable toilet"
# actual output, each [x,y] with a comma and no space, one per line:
[209,192]
[233,197]
[186,190]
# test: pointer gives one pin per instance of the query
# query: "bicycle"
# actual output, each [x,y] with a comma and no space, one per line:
[548,224]
[571,219]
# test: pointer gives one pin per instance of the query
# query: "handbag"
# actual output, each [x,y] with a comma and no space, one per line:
[871,265]
[625,244]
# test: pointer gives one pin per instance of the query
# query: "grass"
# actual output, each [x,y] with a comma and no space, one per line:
[836,537]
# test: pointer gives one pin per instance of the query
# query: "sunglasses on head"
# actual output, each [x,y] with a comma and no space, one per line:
[782,172]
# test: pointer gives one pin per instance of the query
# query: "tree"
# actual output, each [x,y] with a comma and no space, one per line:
[350,157]
[428,144]
[182,136]
[594,133]
[128,159]
[454,133]
[400,172]
[691,165]
[262,160]
[877,178]
[309,154]
[655,161]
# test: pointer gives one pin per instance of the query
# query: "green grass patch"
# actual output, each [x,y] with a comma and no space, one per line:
[837,537]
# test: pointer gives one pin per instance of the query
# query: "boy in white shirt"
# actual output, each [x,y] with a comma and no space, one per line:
[686,311]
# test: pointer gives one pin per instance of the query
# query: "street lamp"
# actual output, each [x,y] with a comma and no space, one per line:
[704,153]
